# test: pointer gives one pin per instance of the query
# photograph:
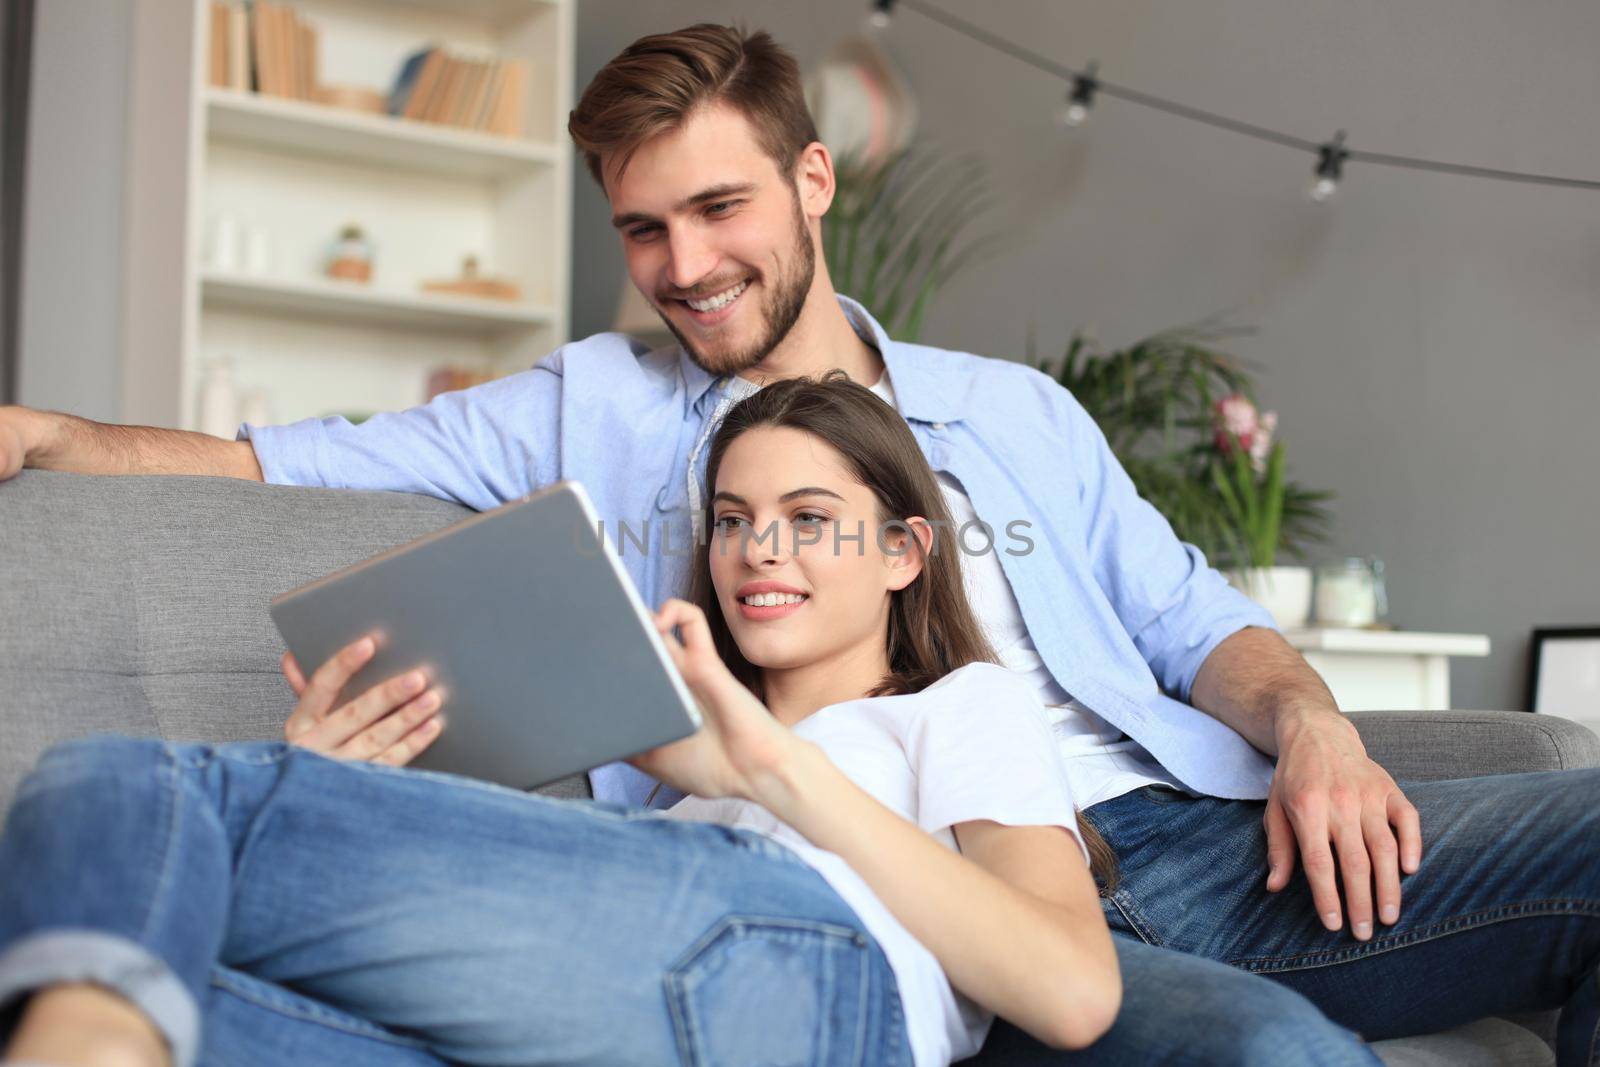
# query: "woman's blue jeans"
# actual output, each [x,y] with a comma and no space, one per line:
[1502,917]
[314,911]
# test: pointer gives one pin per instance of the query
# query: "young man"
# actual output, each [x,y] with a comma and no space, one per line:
[1173,696]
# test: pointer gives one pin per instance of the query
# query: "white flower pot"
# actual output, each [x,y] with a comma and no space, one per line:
[1284,591]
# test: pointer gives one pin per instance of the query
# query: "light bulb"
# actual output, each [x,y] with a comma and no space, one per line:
[1329,169]
[1075,109]
[1072,113]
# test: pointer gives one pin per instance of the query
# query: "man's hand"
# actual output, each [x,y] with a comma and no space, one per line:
[1329,801]
[1344,813]
[390,723]
[15,440]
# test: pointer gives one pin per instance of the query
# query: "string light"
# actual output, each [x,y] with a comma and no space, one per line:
[1075,112]
[1330,168]
[1331,156]
[882,14]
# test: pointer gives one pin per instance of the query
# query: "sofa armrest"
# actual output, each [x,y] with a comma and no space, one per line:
[1420,746]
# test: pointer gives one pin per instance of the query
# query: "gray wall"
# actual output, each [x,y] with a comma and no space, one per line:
[1432,343]
[70,323]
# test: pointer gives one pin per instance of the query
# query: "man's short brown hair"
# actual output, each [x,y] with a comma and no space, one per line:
[657,81]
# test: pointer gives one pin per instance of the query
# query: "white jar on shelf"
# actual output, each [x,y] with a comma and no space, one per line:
[223,237]
[1350,593]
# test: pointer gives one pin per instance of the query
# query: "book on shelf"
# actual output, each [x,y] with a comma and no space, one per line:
[229,61]
[476,94]
[410,75]
[240,76]
[265,47]
[486,106]
[218,73]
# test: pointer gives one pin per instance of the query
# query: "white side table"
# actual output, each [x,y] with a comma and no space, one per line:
[1386,670]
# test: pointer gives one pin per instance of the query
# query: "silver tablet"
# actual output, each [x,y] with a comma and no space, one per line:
[547,659]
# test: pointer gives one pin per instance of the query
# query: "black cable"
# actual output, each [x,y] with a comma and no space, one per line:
[1223,122]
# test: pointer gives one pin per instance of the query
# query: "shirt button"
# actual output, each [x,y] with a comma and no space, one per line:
[938,426]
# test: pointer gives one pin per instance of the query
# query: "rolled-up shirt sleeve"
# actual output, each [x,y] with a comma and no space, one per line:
[480,447]
[1175,606]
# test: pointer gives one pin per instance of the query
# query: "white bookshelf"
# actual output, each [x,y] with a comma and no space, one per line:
[426,195]
[300,128]
[338,301]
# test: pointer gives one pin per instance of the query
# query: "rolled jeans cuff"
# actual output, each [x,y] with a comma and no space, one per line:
[54,957]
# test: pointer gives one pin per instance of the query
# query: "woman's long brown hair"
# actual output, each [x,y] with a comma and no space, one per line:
[932,628]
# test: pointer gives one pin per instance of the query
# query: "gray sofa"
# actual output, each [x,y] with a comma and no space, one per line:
[138,605]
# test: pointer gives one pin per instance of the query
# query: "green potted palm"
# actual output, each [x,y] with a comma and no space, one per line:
[1179,414]
[899,229]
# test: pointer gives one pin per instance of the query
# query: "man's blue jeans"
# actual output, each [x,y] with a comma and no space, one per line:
[315,911]
[1502,917]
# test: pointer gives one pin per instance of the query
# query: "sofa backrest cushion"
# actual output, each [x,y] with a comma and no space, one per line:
[138,604]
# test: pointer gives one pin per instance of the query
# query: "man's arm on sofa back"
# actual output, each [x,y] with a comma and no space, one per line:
[51,440]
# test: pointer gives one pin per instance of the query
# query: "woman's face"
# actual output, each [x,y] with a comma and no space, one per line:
[780,493]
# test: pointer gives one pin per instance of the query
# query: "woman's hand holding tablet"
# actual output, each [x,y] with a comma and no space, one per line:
[390,723]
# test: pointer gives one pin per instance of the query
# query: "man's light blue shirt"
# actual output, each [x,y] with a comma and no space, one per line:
[1122,613]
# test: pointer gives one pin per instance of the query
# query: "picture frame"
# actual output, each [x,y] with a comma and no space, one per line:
[16,51]
[1564,672]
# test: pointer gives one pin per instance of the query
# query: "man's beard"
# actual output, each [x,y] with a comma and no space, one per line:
[785,299]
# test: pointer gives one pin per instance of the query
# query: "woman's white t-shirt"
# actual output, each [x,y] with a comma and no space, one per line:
[973,745]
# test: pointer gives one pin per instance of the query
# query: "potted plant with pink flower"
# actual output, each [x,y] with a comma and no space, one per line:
[1179,415]
[1247,471]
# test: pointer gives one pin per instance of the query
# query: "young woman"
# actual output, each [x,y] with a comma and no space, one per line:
[877,856]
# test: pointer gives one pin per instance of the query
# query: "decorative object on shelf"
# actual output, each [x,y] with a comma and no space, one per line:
[221,250]
[477,94]
[1351,594]
[1564,673]
[453,379]
[350,257]
[899,230]
[863,108]
[219,400]
[353,98]
[471,283]
[258,256]
[1176,412]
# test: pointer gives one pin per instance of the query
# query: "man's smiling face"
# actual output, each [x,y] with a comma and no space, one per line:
[715,238]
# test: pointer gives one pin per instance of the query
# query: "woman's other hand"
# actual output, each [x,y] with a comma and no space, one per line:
[390,723]
[740,750]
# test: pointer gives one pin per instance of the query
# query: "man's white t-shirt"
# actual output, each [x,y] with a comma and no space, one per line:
[973,745]
[1102,762]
